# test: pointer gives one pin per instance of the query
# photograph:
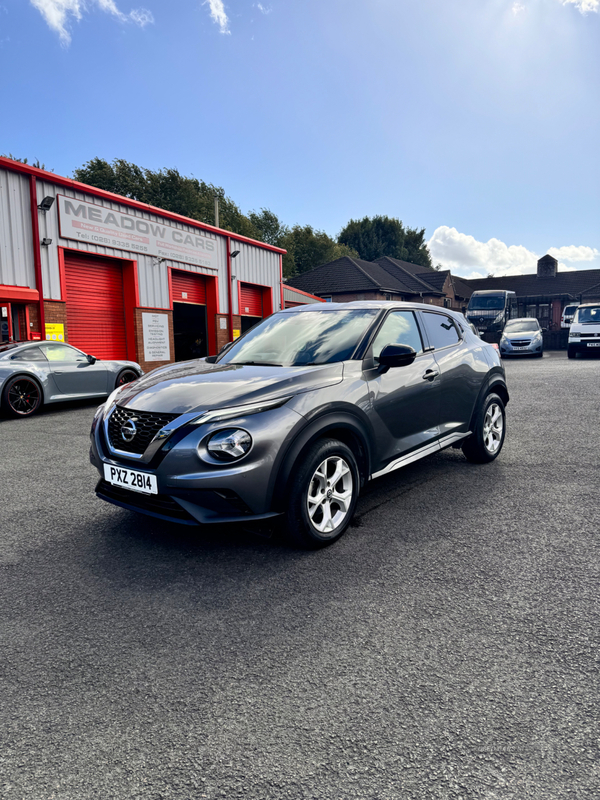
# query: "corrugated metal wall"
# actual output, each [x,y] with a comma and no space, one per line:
[255,265]
[152,275]
[16,244]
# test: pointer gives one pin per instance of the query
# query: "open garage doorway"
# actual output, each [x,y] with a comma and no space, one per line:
[189,329]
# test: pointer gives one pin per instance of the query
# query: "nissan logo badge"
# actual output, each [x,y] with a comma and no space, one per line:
[128,431]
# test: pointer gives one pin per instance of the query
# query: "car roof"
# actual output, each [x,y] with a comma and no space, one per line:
[523,319]
[371,304]
[589,305]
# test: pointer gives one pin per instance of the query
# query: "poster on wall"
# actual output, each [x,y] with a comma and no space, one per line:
[156,337]
[55,331]
[94,224]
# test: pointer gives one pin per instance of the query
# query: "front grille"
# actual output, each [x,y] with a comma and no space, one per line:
[521,342]
[147,426]
[159,505]
[590,335]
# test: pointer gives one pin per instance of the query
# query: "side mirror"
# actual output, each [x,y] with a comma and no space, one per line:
[544,330]
[396,355]
[91,359]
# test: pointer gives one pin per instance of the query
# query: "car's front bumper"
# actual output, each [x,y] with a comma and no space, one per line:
[591,345]
[534,348]
[192,491]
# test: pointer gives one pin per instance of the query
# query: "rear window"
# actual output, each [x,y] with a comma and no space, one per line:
[29,354]
[441,330]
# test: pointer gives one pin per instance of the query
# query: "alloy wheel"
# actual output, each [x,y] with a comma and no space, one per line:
[23,396]
[330,494]
[126,376]
[493,427]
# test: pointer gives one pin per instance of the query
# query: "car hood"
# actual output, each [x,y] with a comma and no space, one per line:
[198,386]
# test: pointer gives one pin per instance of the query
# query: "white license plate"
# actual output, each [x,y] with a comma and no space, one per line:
[521,348]
[593,344]
[132,479]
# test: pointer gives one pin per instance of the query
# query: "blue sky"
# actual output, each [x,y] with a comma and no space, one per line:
[476,119]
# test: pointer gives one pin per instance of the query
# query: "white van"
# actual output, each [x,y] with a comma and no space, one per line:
[584,334]
[567,315]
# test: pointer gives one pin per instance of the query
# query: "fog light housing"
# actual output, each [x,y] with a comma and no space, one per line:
[229,444]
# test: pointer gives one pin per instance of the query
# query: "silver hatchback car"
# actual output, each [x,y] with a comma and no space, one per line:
[522,337]
[293,418]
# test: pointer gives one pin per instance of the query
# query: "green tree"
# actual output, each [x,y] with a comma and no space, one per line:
[37,164]
[269,227]
[167,189]
[308,248]
[386,236]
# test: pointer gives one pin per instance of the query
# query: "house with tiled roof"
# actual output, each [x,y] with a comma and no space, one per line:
[347,279]
[545,293]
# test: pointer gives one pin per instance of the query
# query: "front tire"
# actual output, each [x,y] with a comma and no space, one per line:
[486,441]
[571,352]
[323,495]
[22,396]
[126,376]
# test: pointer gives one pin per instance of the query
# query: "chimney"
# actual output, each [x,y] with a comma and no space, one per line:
[547,267]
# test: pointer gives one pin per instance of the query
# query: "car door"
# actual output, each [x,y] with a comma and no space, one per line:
[405,400]
[462,368]
[72,372]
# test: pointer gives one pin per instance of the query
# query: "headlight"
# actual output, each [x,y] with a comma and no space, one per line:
[229,445]
[218,415]
[574,335]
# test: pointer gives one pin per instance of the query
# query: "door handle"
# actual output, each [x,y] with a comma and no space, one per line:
[430,374]
[58,372]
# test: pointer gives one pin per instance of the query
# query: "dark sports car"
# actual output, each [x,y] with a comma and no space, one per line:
[33,374]
[298,414]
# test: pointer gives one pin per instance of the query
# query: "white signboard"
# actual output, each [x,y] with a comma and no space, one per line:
[156,337]
[88,222]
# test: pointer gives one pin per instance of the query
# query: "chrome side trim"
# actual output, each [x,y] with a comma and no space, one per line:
[416,455]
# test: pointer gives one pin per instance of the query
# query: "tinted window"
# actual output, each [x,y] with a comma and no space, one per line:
[61,352]
[440,330]
[29,354]
[400,327]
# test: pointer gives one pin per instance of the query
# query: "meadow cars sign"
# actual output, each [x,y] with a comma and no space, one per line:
[94,224]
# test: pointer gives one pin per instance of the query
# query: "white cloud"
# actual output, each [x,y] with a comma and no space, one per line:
[263,9]
[517,8]
[583,5]
[58,14]
[466,256]
[218,15]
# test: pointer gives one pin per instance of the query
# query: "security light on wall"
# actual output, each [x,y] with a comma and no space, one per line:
[46,242]
[235,253]
[46,204]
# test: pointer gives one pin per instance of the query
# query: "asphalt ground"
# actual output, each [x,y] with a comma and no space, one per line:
[446,647]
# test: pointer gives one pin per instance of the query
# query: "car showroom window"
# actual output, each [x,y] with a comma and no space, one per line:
[399,327]
[441,330]
[29,354]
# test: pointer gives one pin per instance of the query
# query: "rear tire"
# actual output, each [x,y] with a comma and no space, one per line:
[485,443]
[323,495]
[22,396]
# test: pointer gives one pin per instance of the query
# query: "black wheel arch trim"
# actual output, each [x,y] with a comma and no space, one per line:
[495,382]
[335,418]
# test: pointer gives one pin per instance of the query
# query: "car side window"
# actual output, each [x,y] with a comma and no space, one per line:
[399,327]
[61,352]
[441,330]
[29,354]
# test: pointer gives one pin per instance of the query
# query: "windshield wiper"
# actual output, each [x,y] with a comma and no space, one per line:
[255,364]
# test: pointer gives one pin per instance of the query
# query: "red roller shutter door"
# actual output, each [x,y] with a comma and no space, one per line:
[188,288]
[95,308]
[251,300]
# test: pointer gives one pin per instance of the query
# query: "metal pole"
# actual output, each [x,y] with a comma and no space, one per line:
[216,211]
[37,258]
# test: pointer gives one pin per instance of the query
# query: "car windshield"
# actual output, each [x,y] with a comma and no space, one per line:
[486,303]
[303,338]
[519,325]
[589,315]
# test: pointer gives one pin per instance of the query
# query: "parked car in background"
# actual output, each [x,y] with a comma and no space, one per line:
[294,417]
[567,315]
[34,374]
[522,337]
[584,333]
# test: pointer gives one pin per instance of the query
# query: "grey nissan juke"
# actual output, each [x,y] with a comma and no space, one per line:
[294,417]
